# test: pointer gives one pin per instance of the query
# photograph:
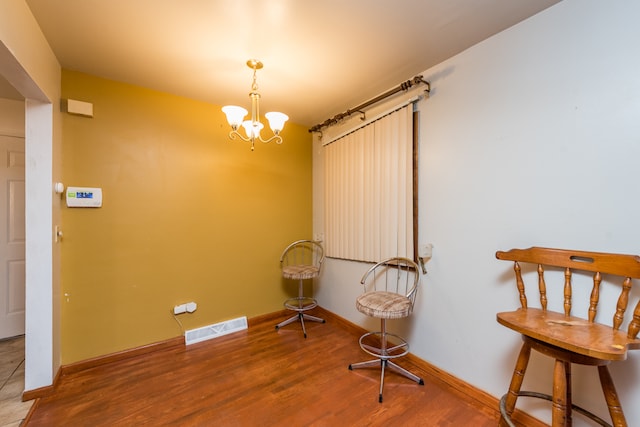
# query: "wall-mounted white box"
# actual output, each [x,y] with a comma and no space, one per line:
[84,197]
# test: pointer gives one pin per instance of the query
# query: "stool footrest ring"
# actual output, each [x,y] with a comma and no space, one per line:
[397,347]
[300,303]
[507,418]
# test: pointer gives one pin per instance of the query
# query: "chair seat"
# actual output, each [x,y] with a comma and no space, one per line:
[298,272]
[570,333]
[383,305]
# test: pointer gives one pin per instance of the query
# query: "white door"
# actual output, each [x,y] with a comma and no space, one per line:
[12,236]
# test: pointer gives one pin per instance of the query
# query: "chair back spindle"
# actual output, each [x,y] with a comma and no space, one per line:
[542,287]
[623,302]
[567,292]
[634,325]
[595,297]
[520,284]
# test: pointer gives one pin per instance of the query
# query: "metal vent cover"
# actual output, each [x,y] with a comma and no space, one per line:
[216,330]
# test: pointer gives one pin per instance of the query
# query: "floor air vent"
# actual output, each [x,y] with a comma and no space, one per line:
[214,331]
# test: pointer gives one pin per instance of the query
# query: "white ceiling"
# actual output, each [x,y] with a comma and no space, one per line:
[320,57]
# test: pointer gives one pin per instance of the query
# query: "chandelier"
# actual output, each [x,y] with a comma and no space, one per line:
[252,128]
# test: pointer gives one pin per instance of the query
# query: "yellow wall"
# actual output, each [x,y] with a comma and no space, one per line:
[188,215]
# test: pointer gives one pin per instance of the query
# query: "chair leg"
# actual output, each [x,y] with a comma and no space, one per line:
[400,370]
[516,381]
[367,364]
[304,330]
[568,392]
[383,364]
[611,396]
[313,318]
[561,412]
[383,361]
[301,316]
[286,322]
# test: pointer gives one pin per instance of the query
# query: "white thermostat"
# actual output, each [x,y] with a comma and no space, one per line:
[84,197]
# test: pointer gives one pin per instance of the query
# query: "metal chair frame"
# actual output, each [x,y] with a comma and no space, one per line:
[391,275]
[301,255]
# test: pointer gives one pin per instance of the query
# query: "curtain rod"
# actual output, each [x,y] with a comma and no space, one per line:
[404,86]
[367,121]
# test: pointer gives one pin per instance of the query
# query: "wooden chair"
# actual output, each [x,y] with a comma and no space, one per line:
[567,338]
[390,289]
[301,260]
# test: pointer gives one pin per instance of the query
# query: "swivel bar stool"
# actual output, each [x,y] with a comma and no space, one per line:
[301,260]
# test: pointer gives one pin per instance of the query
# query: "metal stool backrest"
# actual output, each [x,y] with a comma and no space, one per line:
[398,275]
[303,252]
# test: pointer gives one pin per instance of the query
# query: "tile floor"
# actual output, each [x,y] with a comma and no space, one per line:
[12,409]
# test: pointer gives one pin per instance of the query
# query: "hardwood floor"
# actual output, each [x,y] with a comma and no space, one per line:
[257,377]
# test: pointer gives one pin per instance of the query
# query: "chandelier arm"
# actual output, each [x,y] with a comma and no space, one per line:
[276,138]
[233,134]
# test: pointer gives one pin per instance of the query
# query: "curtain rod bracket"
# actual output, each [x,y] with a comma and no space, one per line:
[404,86]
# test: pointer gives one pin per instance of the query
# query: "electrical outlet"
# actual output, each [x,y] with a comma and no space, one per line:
[189,307]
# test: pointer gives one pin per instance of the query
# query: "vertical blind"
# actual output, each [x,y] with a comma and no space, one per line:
[369,190]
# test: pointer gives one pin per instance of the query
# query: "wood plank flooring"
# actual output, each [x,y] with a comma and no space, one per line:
[257,377]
